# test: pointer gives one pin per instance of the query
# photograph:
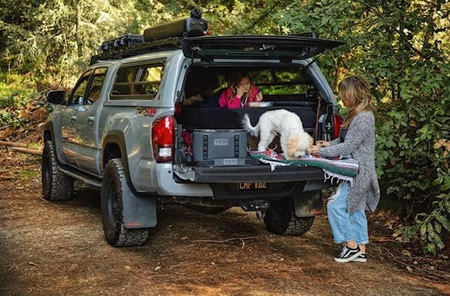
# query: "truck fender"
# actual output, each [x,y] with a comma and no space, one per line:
[49,135]
[139,210]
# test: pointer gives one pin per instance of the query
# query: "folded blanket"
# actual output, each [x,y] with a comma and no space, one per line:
[344,169]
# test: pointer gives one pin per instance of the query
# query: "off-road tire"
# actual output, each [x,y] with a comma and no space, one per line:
[113,186]
[206,210]
[56,186]
[280,219]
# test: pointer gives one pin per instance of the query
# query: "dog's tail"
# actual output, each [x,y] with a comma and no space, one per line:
[253,130]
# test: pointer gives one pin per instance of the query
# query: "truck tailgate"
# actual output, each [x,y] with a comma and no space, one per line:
[260,173]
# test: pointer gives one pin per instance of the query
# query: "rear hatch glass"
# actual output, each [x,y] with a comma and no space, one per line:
[256,46]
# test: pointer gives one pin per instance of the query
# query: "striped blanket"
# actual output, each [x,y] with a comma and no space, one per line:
[344,169]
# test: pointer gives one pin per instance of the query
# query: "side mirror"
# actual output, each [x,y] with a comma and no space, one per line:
[57,97]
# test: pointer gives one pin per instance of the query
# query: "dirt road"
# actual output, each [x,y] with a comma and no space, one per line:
[59,249]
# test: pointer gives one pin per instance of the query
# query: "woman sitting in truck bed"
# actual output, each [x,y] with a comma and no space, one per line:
[240,92]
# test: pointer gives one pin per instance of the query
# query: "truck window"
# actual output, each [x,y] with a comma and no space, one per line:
[279,81]
[96,86]
[77,97]
[137,82]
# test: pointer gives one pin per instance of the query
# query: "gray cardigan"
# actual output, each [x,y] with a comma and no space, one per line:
[359,144]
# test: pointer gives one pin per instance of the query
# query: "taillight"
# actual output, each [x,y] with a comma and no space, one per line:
[337,122]
[163,139]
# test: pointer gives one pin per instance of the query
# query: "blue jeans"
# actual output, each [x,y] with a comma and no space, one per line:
[345,226]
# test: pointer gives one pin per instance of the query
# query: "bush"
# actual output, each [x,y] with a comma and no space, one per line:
[400,46]
[15,90]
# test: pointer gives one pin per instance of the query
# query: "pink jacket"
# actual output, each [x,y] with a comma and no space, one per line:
[235,102]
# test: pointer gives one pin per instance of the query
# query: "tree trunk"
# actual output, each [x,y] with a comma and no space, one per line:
[77,28]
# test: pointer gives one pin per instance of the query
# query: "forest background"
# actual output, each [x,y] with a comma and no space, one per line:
[401,46]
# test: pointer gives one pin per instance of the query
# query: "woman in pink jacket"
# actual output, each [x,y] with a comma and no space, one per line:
[240,92]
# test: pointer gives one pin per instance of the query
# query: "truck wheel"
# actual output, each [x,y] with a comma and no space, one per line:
[280,219]
[56,186]
[113,186]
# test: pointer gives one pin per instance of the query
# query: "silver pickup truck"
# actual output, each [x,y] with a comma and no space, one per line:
[143,124]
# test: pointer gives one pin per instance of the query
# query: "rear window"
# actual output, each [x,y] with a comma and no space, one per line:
[138,82]
[282,81]
[289,85]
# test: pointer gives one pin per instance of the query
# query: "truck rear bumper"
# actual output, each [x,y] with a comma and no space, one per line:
[225,182]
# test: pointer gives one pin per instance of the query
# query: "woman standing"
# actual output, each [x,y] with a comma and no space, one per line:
[346,208]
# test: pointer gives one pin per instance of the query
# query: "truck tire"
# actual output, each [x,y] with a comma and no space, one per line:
[56,186]
[280,219]
[113,186]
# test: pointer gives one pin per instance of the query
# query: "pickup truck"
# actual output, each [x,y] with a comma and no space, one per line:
[143,124]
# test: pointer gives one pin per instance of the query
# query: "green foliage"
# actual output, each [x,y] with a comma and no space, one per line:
[400,46]
[55,39]
[15,92]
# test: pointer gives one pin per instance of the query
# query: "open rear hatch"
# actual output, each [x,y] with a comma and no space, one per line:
[256,46]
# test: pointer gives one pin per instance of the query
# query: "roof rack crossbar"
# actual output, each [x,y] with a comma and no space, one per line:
[147,47]
[162,37]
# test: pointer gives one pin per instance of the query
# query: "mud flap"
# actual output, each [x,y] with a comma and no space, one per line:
[308,204]
[138,211]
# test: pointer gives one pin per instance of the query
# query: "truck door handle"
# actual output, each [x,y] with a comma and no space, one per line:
[91,119]
[73,118]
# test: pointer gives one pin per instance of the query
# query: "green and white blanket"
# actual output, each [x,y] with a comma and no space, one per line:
[344,169]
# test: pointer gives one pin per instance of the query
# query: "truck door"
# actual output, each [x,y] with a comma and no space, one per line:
[69,119]
[87,122]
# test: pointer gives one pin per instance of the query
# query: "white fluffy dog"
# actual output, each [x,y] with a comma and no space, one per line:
[293,139]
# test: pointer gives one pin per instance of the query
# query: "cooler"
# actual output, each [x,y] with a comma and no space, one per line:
[220,147]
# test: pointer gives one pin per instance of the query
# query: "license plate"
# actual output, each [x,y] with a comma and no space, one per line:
[253,186]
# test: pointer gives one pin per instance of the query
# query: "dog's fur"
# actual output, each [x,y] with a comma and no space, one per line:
[294,140]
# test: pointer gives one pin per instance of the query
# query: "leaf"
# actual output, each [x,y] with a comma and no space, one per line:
[438,227]
[439,242]
[430,231]
[423,230]
[335,28]
[431,247]
[443,221]
[447,205]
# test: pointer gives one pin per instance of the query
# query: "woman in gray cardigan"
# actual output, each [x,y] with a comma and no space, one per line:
[346,208]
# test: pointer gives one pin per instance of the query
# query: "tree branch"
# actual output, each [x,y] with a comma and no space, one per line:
[222,241]
[409,45]
[263,16]
[25,150]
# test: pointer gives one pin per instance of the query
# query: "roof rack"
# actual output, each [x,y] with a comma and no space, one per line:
[162,37]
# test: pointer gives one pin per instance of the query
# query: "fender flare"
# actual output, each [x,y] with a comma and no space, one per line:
[49,127]
[117,137]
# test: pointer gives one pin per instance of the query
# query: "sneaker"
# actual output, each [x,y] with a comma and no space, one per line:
[348,254]
[361,258]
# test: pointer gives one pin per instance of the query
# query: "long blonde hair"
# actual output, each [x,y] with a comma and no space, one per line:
[356,91]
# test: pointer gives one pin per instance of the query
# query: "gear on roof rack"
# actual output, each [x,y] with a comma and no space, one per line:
[162,37]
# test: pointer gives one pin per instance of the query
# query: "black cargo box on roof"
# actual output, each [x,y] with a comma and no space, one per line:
[187,27]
